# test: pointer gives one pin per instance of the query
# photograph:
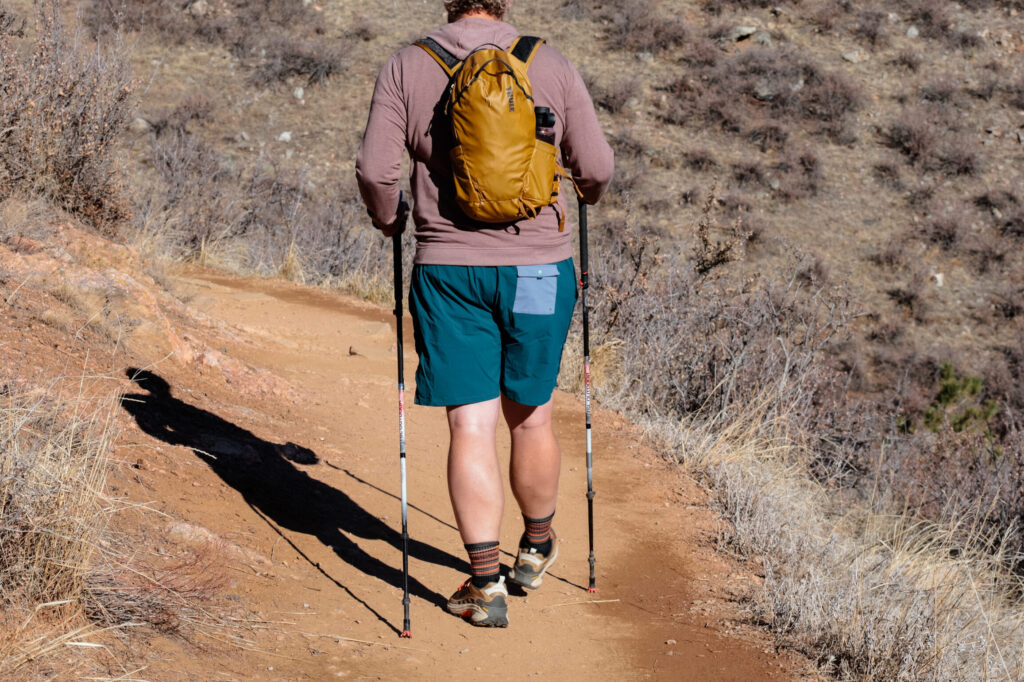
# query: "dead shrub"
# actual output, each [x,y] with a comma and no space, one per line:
[700,342]
[920,197]
[931,18]
[1013,225]
[870,27]
[718,6]
[893,255]
[193,108]
[295,46]
[946,231]
[985,89]
[888,175]
[997,201]
[814,271]
[1008,302]
[62,107]
[911,61]
[288,57]
[628,146]
[612,96]
[986,252]
[956,157]
[915,135]
[748,173]
[940,90]
[638,26]
[798,176]
[702,52]
[828,15]
[701,160]
[911,297]
[769,136]
[1015,94]
[964,40]
[776,83]
[237,24]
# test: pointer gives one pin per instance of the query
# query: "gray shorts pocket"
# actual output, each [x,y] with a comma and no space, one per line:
[536,290]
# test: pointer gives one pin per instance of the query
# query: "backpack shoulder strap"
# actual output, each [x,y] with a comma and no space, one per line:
[446,59]
[525,48]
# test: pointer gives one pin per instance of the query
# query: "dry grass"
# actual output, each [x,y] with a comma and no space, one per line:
[870,594]
[65,573]
[52,505]
[54,472]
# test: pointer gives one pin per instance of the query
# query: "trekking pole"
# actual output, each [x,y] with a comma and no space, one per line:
[584,285]
[397,248]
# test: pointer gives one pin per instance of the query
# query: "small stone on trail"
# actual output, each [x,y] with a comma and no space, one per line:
[464,651]
[286,136]
[670,642]
[299,93]
[912,32]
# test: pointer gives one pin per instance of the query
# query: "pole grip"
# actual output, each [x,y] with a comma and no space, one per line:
[396,247]
[584,251]
[584,276]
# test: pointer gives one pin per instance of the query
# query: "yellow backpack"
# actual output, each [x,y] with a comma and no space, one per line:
[502,171]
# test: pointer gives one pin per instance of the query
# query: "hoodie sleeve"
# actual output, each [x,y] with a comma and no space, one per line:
[588,155]
[379,160]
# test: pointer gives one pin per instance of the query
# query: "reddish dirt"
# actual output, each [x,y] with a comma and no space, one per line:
[322,557]
[248,382]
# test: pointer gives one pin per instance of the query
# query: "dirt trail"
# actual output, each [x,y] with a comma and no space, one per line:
[316,553]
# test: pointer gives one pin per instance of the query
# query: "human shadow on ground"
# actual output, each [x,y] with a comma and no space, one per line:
[264,473]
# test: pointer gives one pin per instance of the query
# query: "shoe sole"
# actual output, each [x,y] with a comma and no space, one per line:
[533,581]
[494,615]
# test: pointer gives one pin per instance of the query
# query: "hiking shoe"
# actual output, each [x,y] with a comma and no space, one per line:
[483,607]
[530,565]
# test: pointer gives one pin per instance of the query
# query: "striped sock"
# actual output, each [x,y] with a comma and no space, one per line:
[538,534]
[483,558]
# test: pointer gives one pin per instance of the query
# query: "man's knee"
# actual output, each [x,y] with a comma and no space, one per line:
[475,419]
[523,418]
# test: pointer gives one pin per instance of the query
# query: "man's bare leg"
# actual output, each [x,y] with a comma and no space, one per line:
[474,477]
[536,461]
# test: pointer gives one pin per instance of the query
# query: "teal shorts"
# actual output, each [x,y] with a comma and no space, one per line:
[484,331]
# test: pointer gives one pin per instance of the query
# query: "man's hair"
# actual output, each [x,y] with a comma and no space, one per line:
[496,8]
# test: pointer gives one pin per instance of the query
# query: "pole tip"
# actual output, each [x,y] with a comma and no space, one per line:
[591,590]
[406,634]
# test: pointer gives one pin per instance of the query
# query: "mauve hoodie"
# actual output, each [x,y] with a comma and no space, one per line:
[402,117]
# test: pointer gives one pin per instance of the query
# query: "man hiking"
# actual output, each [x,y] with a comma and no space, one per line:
[491,297]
